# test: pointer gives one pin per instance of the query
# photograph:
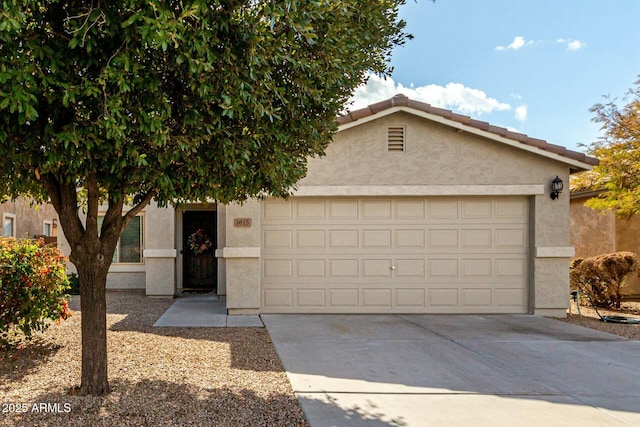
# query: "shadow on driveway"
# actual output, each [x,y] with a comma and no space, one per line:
[457,370]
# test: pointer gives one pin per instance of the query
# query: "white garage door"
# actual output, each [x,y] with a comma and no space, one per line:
[395,255]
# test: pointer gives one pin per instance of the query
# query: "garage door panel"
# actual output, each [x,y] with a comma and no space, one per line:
[278,209]
[444,298]
[344,298]
[376,297]
[477,268]
[410,209]
[510,297]
[511,209]
[510,267]
[410,239]
[344,239]
[508,238]
[315,297]
[443,238]
[476,239]
[314,239]
[375,209]
[477,209]
[311,268]
[441,268]
[343,209]
[311,209]
[376,268]
[278,298]
[410,267]
[408,297]
[443,209]
[476,298]
[343,268]
[376,239]
[404,255]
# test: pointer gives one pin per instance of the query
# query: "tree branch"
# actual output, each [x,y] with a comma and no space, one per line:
[141,205]
[93,201]
[65,201]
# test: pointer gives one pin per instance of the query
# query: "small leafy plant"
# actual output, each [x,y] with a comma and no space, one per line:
[33,284]
[74,284]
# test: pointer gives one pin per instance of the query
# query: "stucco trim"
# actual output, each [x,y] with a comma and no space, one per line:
[555,252]
[127,268]
[421,190]
[160,253]
[248,252]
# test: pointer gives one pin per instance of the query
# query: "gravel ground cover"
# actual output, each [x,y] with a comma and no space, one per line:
[589,318]
[171,376]
[158,376]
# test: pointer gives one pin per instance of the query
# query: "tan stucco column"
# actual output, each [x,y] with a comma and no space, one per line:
[241,254]
[160,252]
[551,253]
[160,272]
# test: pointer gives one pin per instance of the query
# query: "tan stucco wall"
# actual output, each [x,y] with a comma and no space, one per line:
[29,219]
[596,232]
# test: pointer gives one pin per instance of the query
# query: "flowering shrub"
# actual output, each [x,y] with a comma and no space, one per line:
[32,288]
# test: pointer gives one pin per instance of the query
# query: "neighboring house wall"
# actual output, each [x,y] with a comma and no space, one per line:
[27,220]
[592,232]
[595,232]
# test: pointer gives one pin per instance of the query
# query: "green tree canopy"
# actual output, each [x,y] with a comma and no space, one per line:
[619,154]
[125,101]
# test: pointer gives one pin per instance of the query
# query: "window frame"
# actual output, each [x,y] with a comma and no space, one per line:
[12,217]
[46,223]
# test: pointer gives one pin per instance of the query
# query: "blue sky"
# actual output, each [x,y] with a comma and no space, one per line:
[535,67]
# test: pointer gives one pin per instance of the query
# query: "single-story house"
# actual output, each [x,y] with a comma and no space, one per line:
[20,219]
[595,232]
[414,209]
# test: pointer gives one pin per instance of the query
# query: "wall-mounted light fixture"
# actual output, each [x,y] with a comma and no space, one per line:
[556,187]
[54,223]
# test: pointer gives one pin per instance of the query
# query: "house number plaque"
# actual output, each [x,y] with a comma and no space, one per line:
[242,222]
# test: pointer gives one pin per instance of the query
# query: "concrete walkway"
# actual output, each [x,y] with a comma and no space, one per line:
[414,370]
[208,311]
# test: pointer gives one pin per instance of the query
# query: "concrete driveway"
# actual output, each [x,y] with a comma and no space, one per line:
[415,370]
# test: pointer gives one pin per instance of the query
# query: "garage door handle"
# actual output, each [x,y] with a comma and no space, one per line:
[393,267]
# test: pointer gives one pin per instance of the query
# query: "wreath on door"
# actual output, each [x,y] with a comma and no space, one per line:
[199,242]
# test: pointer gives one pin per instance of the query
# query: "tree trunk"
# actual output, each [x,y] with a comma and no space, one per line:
[93,299]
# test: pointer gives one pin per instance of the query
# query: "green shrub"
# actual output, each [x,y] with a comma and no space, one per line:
[74,284]
[602,277]
[32,288]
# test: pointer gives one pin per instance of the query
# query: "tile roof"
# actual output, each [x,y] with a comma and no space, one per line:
[403,101]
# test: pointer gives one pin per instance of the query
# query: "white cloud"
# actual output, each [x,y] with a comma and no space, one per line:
[454,96]
[521,113]
[572,44]
[518,43]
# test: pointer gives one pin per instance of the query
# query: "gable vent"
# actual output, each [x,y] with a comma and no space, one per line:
[395,138]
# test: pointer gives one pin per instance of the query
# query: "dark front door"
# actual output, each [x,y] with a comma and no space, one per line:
[200,268]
